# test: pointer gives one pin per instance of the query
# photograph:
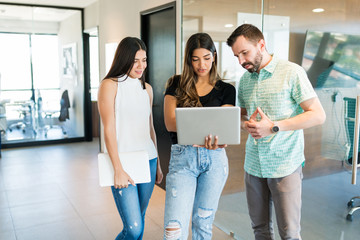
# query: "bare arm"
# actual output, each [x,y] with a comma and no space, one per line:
[159,174]
[169,113]
[313,115]
[106,105]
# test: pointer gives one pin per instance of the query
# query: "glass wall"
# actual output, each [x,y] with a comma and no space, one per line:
[323,37]
[41,74]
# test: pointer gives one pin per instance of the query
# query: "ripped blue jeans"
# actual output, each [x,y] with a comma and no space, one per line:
[131,203]
[194,184]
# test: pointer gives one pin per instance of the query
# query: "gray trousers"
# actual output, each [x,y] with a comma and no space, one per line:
[285,193]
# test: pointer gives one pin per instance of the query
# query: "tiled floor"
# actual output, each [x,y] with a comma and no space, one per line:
[324,209]
[326,192]
[52,192]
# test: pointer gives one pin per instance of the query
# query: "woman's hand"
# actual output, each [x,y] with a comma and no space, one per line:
[159,175]
[208,143]
[122,179]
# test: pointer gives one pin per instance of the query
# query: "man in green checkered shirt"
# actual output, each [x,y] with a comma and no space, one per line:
[281,102]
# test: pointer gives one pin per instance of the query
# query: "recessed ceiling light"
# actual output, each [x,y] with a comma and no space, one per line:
[318,10]
[229,25]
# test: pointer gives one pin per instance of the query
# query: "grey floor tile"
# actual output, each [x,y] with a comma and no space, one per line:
[24,160]
[6,223]
[3,200]
[19,177]
[75,171]
[34,194]
[81,188]
[42,213]
[94,204]
[54,193]
[2,187]
[324,208]
[23,169]
[22,154]
[9,235]
[69,230]
[104,226]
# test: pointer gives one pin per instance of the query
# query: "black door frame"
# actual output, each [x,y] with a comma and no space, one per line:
[165,141]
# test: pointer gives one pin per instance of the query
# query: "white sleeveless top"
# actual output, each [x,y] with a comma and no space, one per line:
[132,117]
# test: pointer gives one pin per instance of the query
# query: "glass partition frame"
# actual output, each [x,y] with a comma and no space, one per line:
[328,147]
[42,127]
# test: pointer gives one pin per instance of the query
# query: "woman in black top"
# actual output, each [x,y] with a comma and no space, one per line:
[197,174]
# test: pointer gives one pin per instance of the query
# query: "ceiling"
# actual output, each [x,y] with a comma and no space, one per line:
[25,13]
[60,3]
[216,13]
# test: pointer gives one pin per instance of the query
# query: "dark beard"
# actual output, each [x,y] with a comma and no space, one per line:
[256,64]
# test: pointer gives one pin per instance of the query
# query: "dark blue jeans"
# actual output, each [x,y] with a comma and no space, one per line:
[131,203]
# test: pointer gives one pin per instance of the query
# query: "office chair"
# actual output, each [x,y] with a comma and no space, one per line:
[20,124]
[63,113]
[26,117]
[350,105]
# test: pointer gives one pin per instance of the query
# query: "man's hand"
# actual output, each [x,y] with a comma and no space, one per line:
[259,129]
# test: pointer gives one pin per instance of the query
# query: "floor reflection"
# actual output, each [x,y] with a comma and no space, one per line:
[326,191]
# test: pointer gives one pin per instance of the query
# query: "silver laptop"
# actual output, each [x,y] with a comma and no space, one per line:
[194,124]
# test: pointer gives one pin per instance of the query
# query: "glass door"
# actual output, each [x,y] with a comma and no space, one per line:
[324,39]
[41,74]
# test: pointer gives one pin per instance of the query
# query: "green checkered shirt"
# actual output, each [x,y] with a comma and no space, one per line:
[278,90]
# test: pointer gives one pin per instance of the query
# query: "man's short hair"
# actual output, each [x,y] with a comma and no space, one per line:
[250,32]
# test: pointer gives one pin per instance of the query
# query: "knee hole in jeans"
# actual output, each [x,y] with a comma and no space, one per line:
[203,219]
[173,230]
[204,213]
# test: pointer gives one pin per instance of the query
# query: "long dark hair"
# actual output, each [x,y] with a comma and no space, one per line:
[124,58]
[187,95]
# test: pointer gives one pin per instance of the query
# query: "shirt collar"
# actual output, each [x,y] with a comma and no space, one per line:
[272,65]
[270,68]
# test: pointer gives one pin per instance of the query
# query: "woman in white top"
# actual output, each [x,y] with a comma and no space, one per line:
[125,103]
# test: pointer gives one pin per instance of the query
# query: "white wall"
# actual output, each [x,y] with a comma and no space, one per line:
[91,16]
[70,32]
[119,19]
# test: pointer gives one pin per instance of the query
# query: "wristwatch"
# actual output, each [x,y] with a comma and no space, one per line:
[275,129]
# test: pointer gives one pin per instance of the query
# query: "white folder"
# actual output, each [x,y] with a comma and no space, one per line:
[135,164]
